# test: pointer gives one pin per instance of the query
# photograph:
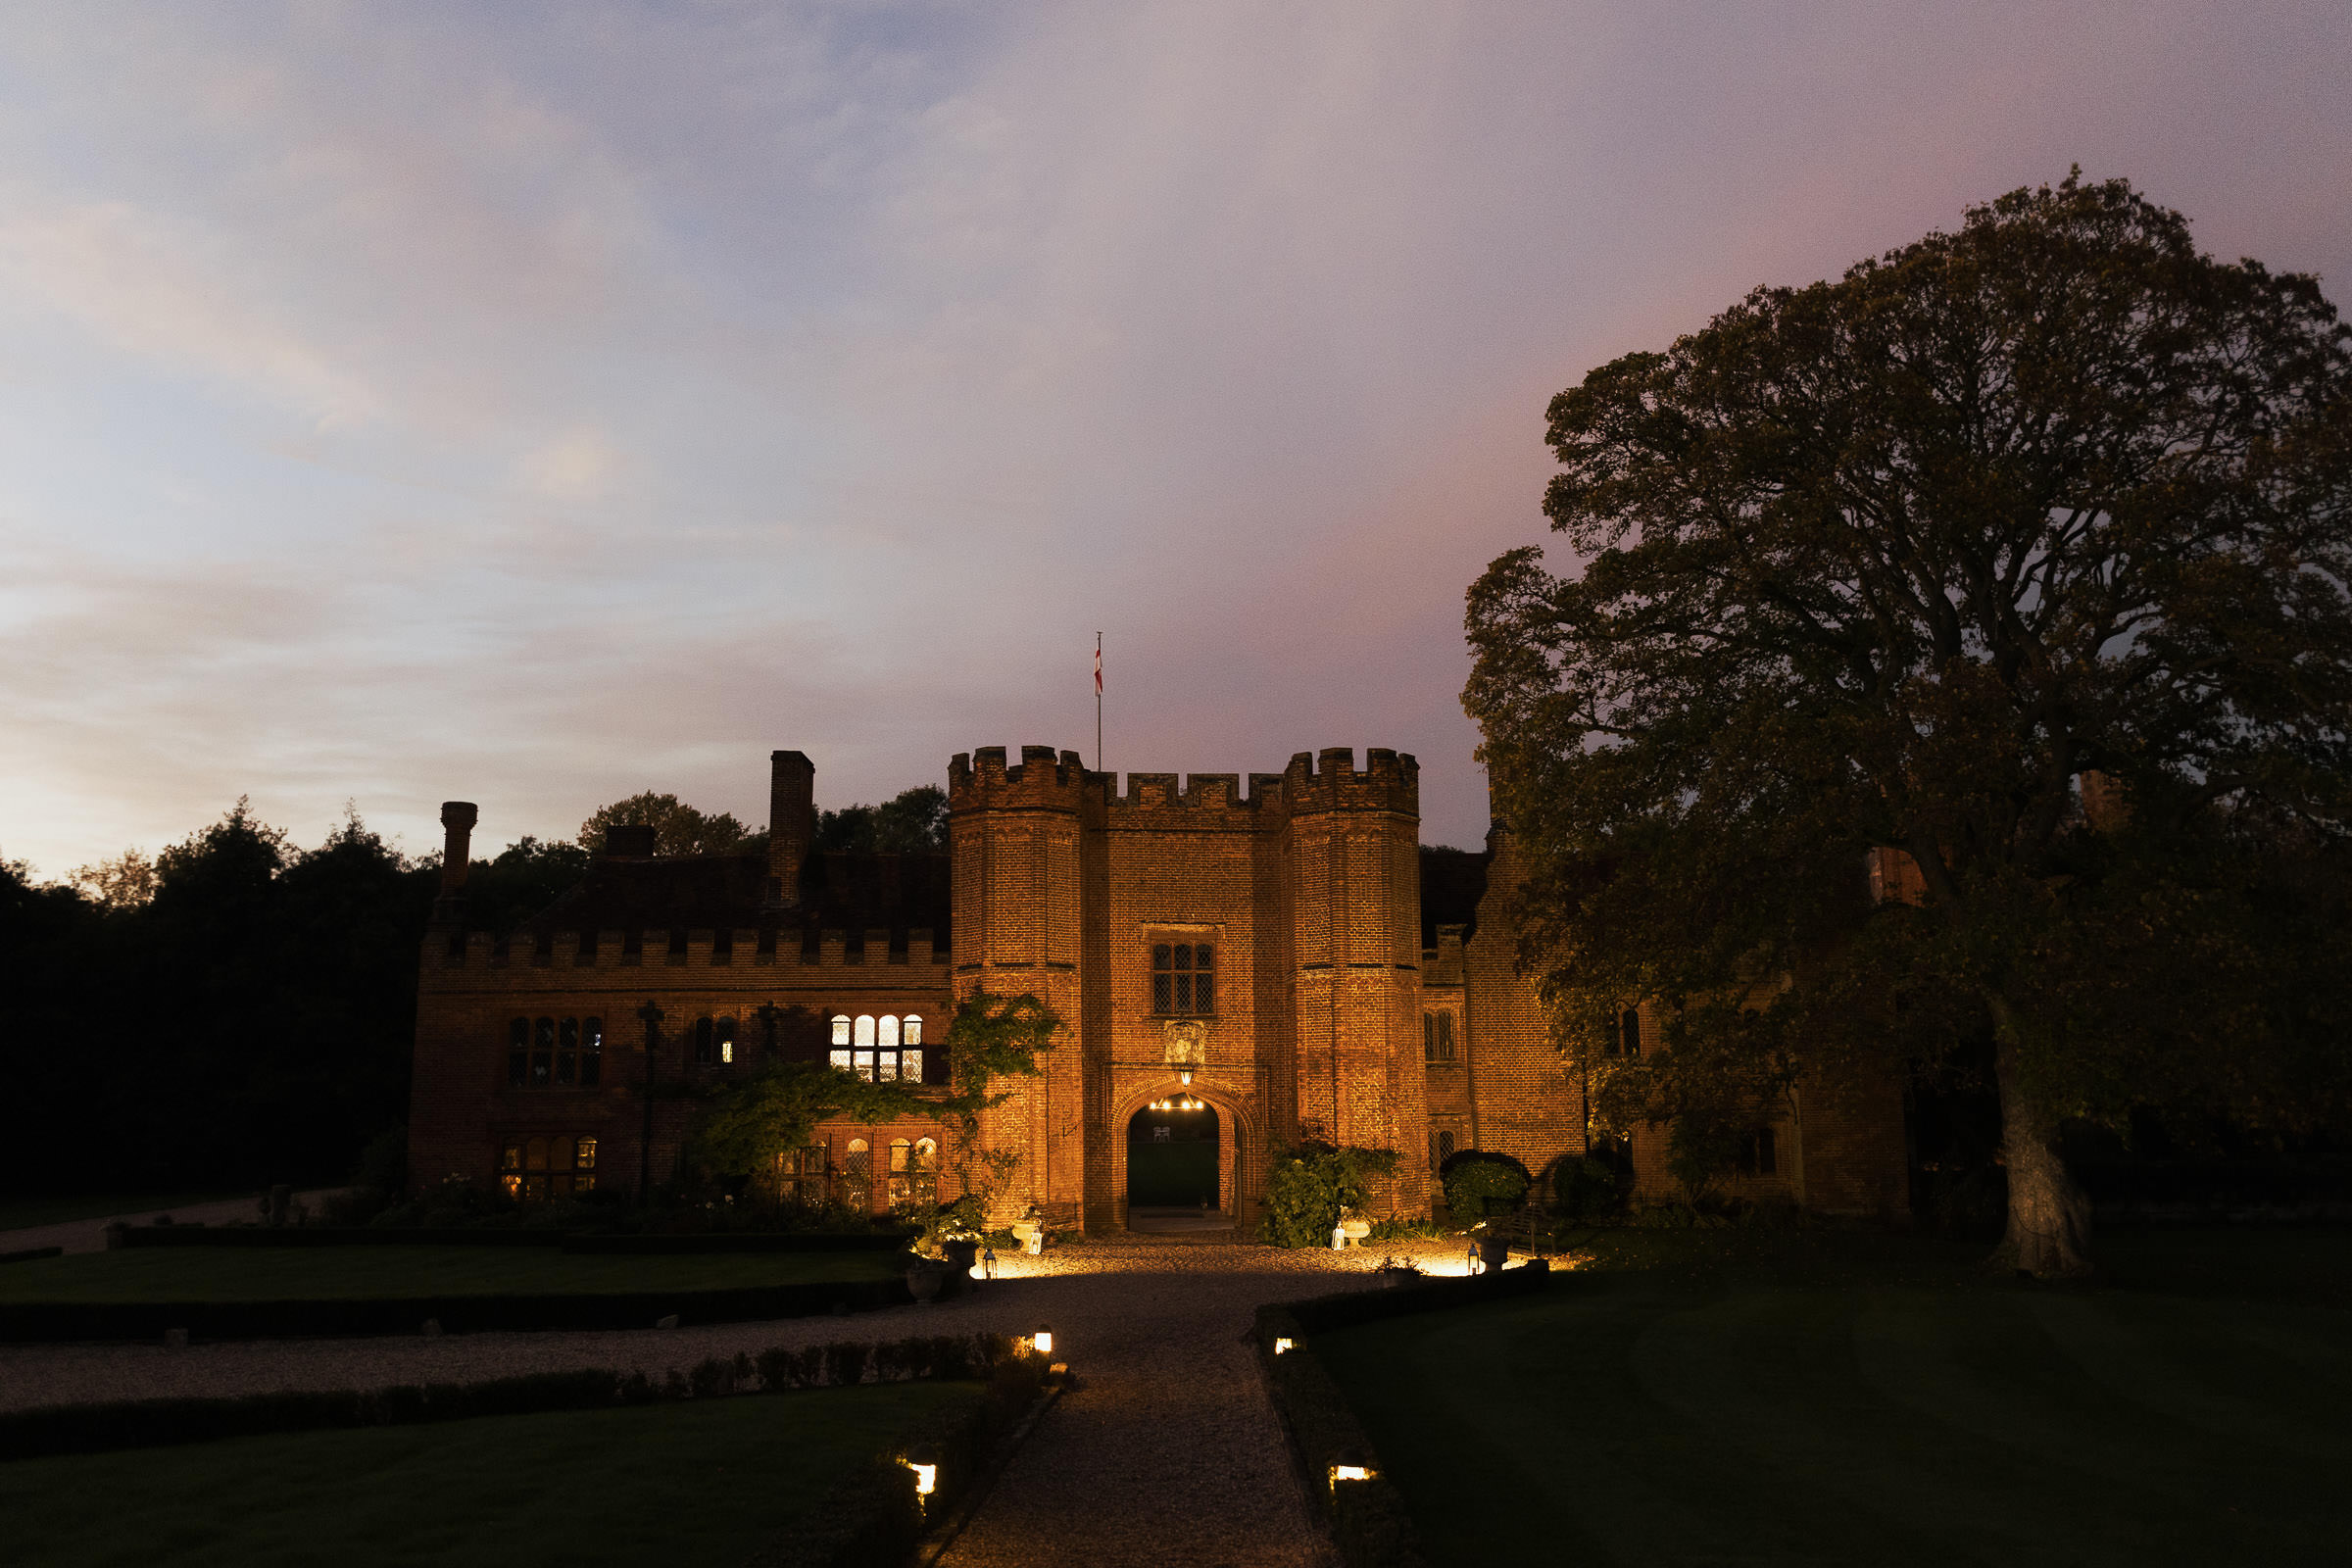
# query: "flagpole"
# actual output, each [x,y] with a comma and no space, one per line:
[1097,702]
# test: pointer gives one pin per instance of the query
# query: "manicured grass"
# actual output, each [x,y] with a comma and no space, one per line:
[1823,1399]
[371,1273]
[22,1213]
[705,1482]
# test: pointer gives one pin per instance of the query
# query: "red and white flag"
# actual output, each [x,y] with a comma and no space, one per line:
[1098,669]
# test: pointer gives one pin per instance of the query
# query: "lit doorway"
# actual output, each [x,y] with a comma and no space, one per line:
[1172,1150]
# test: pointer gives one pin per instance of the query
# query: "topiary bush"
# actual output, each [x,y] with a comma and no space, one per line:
[1472,1183]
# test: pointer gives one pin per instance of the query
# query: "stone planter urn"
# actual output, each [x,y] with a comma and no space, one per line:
[1029,1231]
[1355,1228]
[925,1278]
[1493,1250]
[960,1253]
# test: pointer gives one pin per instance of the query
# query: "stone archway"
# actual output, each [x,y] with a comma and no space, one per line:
[1172,1163]
[1234,1206]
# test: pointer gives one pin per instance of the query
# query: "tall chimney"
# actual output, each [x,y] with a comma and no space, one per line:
[457,827]
[791,820]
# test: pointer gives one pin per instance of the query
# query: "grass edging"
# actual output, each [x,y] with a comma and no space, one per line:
[49,1321]
[121,1236]
[51,1429]
[1368,1520]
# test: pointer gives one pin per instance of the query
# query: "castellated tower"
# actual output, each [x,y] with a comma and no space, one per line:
[1356,916]
[1014,841]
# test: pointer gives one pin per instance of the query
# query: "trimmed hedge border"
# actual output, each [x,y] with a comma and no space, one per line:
[119,1236]
[1368,1519]
[49,1321]
[52,1430]
[31,1254]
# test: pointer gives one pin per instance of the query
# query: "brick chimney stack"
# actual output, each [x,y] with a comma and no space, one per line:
[457,827]
[791,820]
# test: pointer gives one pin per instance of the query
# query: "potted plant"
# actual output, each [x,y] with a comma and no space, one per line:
[925,1278]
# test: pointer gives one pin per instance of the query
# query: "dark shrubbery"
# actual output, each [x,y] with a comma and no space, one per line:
[1311,1184]
[1475,1180]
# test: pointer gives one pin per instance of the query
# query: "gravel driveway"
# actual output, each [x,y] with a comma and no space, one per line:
[1166,1452]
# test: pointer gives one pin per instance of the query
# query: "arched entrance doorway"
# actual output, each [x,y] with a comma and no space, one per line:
[1172,1150]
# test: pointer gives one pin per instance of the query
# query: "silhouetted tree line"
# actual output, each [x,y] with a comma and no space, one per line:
[240,1011]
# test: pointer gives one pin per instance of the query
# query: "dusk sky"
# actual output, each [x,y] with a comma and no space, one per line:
[534,403]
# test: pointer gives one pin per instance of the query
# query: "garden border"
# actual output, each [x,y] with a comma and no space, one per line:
[123,1236]
[49,1430]
[1368,1520]
[23,1322]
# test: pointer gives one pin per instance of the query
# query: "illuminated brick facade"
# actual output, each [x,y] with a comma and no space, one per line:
[1302,892]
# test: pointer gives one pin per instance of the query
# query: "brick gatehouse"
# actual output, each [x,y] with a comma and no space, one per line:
[1281,955]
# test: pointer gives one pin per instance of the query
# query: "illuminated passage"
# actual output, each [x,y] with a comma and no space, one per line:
[1172,1156]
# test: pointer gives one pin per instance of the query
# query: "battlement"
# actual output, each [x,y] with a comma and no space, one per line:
[1204,796]
[521,952]
[1043,780]
[1328,781]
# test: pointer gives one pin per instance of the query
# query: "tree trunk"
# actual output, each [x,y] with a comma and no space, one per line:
[2049,1217]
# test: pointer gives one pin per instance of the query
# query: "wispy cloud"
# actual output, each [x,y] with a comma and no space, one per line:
[540,403]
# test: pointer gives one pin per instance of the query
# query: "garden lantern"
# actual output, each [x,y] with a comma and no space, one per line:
[1281,1345]
[1043,1340]
[923,1461]
[1349,1464]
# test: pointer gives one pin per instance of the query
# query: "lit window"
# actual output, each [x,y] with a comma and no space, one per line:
[841,1028]
[911,1029]
[911,1067]
[857,1177]
[1184,979]
[841,1060]
[866,1032]
[888,1036]
[533,1170]
[726,1042]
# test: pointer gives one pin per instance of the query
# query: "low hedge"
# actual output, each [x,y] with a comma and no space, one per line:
[276,1320]
[874,1520]
[447,1236]
[1368,1519]
[155,1423]
[31,1254]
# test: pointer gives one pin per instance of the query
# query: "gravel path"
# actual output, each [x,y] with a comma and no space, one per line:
[1168,1452]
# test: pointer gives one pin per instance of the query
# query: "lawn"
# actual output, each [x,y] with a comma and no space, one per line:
[1756,1398]
[705,1482]
[25,1213]
[369,1273]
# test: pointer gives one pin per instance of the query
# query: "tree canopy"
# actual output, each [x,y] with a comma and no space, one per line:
[1896,563]
[914,822]
[678,828]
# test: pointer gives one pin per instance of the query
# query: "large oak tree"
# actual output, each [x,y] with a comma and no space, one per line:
[1896,563]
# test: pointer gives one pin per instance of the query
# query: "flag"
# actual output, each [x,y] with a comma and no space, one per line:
[1098,669]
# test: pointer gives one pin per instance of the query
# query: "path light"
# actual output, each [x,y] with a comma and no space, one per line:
[1349,1464]
[923,1461]
[1043,1340]
[1281,1345]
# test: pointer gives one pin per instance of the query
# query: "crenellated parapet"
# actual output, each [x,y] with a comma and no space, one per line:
[1329,782]
[518,953]
[1043,780]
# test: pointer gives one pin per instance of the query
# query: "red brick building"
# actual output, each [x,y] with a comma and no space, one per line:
[1235,964]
